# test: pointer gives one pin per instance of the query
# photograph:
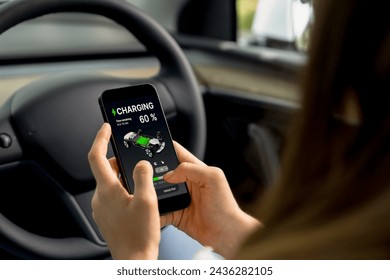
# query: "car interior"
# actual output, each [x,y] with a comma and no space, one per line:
[228,100]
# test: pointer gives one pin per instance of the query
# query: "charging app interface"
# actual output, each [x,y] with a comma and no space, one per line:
[140,132]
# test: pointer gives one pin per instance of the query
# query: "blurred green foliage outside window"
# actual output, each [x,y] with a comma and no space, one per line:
[245,13]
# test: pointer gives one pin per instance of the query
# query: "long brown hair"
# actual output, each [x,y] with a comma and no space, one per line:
[332,198]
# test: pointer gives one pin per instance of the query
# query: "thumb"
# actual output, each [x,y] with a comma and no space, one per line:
[187,172]
[143,182]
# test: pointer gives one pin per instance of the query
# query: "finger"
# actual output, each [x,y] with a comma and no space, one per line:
[115,170]
[97,156]
[143,181]
[186,156]
[114,165]
[195,173]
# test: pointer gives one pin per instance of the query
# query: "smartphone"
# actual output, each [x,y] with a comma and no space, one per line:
[140,132]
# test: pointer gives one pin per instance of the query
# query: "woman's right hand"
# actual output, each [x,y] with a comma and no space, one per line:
[213,217]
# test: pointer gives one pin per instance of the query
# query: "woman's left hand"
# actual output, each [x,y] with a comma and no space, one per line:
[130,224]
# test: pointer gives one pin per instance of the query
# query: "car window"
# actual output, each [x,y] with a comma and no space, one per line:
[246,10]
[283,24]
[82,34]
[66,34]
[165,12]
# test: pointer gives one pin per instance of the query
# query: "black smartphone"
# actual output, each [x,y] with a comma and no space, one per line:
[140,131]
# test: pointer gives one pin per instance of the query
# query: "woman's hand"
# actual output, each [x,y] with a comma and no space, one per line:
[130,224]
[213,217]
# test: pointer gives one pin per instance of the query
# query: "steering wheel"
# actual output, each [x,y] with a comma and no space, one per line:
[43,130]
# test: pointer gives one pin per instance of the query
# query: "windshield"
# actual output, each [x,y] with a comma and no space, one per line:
[269,23]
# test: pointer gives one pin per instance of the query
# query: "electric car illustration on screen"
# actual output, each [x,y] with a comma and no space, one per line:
[151,145]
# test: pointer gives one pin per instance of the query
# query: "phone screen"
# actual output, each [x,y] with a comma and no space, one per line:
[140,132]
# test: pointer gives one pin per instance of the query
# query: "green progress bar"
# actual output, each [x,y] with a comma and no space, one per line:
[157,178]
